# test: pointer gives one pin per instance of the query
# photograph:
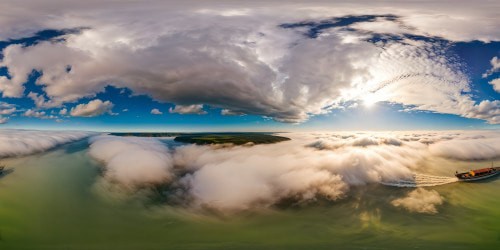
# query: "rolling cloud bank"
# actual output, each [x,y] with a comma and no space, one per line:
[24,142]
[309,167]
[132,161]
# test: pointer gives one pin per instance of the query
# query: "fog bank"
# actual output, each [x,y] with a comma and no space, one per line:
[24,142]
[309,167]
[132,161]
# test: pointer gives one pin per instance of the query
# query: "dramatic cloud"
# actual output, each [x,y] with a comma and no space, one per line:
[420,201]
[156,112]
[132,162]
[93,108]
[284,62]
[25,142]
[188,109]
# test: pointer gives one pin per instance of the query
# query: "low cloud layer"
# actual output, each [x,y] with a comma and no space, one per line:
[309,167]
[420,201]
[478,149]
[24,142]
[242,178]
[132,162]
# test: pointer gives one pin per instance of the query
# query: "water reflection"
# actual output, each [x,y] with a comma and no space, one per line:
[51,201]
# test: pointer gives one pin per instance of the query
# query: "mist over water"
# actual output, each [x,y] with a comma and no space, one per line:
[346,190]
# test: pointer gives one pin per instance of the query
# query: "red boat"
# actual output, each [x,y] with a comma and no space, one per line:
[478,174]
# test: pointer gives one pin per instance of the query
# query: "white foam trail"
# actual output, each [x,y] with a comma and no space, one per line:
[422,180]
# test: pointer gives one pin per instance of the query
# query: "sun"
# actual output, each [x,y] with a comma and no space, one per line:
[369,100]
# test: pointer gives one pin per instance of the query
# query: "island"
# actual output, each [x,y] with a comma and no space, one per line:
[230,138]
[236,138]
[146,134]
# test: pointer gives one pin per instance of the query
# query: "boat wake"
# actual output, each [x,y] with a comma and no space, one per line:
[422,180]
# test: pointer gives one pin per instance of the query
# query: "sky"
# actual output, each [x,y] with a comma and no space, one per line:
[249,65]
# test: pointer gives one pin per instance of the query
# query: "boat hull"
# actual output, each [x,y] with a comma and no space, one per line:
[466,177]
[479,178]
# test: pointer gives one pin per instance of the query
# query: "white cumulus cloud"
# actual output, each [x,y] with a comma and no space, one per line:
[63,111]
[495,66]
[156,112]
[188,109]
[496,84]
[93,108]
[38,114]
[42,102]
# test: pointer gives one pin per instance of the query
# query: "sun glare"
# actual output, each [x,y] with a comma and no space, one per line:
[369,101]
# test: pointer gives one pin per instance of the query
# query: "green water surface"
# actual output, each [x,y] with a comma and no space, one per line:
[49,201]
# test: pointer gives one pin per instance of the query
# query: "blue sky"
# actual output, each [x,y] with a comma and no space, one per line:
[285,76]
